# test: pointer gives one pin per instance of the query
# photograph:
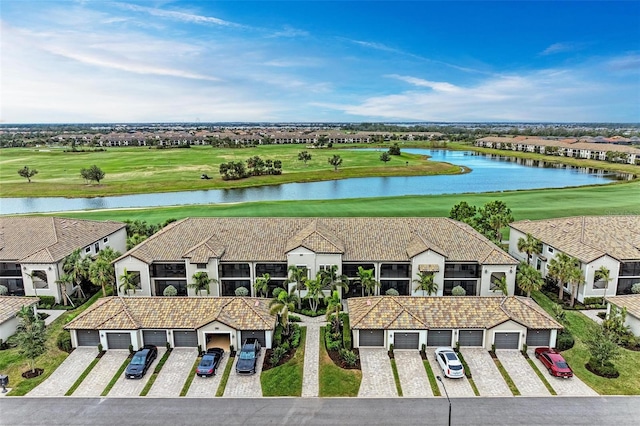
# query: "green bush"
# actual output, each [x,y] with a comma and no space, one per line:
[46,302]
[277,354]
[3,290]
[458,291]
[392,292]
[294,318]
[64,341]
[635,288]
[608,370]
[349,357]
[277,335]
[242,292]
[593,301]
[564,341]
[346,333]
[331,342]
[170,291]
[294,339]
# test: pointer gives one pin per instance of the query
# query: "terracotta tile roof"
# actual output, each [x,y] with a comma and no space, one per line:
[629,301]
[410,312]
[566,143]
[132,313]
[588,237]
[10,305]
[49,239]
[269,239]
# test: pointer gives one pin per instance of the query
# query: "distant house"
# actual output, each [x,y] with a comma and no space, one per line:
[596,241]
[236,251]
[9,307]
[410,322]
[632,303]
[33,249]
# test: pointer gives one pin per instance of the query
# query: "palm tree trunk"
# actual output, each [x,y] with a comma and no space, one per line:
[561,292]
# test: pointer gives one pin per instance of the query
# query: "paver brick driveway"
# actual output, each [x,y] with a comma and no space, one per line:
[59,382]
[174,373]
[564,387]
[523,376]
[133,387]
[377,376]
[102,373]
[455,387]
[485,373]
[206,387]
[413,376]
[240,385]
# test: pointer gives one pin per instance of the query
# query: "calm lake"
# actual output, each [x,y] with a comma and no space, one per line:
[489,173]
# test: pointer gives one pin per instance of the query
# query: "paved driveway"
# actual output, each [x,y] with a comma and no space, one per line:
[59,382]
[102,373]
[174,373]
[206,387]
[377,376]
[240,385]
[564,387]
[455,387]
[413,376]
[485,373]
[133,387]
[525,379]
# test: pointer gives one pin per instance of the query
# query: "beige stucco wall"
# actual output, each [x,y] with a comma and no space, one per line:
[212,272]
[390,336]
[135,338]
[217,327]
[133,264]
[485,280]
[53,272]
[508,326]
[426,258]
[8,328]
[589,271]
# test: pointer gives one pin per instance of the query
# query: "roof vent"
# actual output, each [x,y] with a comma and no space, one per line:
[368,302]
[256,303]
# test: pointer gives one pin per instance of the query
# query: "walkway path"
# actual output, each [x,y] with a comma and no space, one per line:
[310,383]
[59,382]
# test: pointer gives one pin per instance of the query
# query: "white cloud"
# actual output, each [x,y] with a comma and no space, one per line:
[179,16]
[560,48]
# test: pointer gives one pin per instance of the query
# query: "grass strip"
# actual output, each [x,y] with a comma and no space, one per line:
[116,376]
[467,373]
[286,379]
[333,380]
[541,376]
[396,376]
[156,371]
[506,377]
[192,374]
[84,374]
[432,378]
[225,376]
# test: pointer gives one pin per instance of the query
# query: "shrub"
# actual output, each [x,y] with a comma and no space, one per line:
[331,343]
[635,288]
[64,341]
[458,291]
[295,336]
[294,318]
[242,292]
[277,354]
[130,349]
[277,291]
[346,333]
[593,301]
[100,348]
[170,291]
[564,341]
[3,290]
[607,370]
[277,335]
[392,292]
[46,302]
[169,346]
[349,357]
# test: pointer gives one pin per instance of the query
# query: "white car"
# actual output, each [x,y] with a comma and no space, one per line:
[449,363]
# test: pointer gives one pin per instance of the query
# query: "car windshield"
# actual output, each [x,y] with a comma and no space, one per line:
[247,355]
[562,364]
[455,367]
[451,356]
[206,362]
[138,360]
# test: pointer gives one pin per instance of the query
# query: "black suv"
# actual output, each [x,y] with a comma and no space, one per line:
[141,362]
[248,357]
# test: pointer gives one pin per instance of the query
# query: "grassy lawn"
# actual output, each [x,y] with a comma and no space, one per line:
[396,376]
[13,364]
[582,327]
[286,379]
[139,170]
[84,374]
[116,376]
[336,381]
[507,378]
[432,378]
[225,377]
[154,376]
[190,377]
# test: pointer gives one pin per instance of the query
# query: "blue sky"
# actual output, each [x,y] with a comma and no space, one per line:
[300,61]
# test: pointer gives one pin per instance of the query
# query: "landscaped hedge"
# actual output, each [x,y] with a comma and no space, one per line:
[277,335]
[46,302]
[346,333]
[564,341]
[608,370]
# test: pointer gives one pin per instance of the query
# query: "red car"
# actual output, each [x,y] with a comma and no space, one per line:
[555,363]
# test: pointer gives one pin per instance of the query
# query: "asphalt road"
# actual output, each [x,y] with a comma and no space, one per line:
[319,411]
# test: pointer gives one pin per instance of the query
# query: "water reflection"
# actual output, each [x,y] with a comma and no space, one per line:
[489,173]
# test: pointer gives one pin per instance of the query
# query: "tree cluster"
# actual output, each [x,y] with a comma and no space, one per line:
[488,219]
[255,166]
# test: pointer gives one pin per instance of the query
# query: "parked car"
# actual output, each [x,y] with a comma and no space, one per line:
[141,362]
[554,362]
[449,363]
[209,362]
[248,357]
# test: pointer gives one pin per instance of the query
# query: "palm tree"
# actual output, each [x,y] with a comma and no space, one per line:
[333,281]
[127,282]
[576,277]
[368,282]
[261,286]
[77,267]
[426,283]
[501,283]
[603,274]
[334,306]
[30,335]
[298,276]
[560,268]
[314,291]
[281,305]
[528,278]
[201,282]
[101,271]
[63,282]
[529,245]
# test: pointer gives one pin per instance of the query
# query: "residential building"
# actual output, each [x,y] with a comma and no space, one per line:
[596,241]
[630,302]
[410,322]
[33,249]
[117,322]
[236,251]
[9,308]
